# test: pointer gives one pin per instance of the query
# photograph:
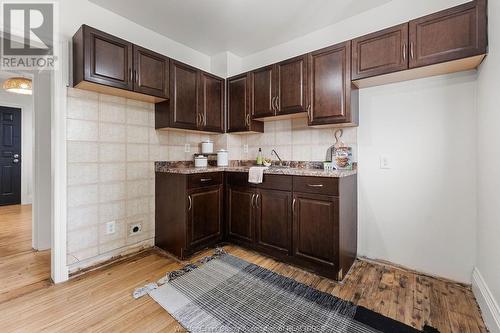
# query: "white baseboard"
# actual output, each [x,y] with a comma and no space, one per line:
[489,307]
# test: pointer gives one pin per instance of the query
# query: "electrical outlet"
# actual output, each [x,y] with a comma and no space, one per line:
[187,148]
[245,148]
[134,228]
[385,162]
[110,228]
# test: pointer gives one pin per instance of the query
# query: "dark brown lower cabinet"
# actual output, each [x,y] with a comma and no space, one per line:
[273,220]
[189,212]
[240,214]
[204,215]
[310,222]
[316,230]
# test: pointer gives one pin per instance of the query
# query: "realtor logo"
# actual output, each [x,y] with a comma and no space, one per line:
[28,35]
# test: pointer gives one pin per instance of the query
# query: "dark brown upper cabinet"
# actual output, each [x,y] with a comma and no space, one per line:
[280,89]
[211,102]
[263,92]
[239,117]
[184,97]
[111,65]
[151,72]
[196,101]
[455,33]
[333,98]
[291,85]
[380,53]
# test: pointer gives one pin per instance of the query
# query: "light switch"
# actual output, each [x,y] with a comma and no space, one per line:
[110,228]
[385,162]
[245,149]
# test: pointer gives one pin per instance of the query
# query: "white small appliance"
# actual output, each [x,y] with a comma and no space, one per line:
[222,158]
[200,161]
[207,147]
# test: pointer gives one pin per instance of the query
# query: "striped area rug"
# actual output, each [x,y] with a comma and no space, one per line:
[226,294]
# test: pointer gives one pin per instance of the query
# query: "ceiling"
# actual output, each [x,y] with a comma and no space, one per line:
[242,27]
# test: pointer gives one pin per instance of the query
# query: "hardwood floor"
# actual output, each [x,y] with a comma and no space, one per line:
[15,229]
[101,300]
[21,269]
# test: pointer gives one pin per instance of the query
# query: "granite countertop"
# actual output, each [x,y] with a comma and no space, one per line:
[292,171]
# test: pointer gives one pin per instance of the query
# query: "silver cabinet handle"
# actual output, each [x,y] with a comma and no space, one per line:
[257,201]
[272,103]
[308,110]
[253,202]
[248,120]
[404,52]
[277,103]
[315,185]
[190,203]
[412,52]
[204,180]
[293,205]
[130,75]
[136,77]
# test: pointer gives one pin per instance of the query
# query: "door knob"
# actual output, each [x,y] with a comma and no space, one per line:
[16,156]
[15,160]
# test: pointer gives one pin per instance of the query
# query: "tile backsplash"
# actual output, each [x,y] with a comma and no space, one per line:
[292,139]
[111,149]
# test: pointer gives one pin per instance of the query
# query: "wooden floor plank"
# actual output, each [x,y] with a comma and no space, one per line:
[101,300]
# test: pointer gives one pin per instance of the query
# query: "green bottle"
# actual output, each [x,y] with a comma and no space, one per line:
[260,160]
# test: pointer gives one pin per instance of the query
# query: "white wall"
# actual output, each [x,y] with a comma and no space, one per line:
[420,213]
[26,104]
[74,13]
[488,173]
[437,204]
[393,13]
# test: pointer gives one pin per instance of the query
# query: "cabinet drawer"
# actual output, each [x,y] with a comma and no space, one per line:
[204,179]
[317,185]
[276,182]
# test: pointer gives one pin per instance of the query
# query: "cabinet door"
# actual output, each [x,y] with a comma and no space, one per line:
[151,75]
[291,85]
[330,86]
[316,229]
[204,216]
[240,215]
[274,221]
[381,52]
[184,96]
[451,34]
[108,59]
[263,92]
[211,103]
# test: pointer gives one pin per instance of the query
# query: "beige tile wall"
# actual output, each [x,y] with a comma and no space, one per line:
[292,139]
[111,147]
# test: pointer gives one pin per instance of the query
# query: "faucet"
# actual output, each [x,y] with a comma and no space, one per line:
[273,152]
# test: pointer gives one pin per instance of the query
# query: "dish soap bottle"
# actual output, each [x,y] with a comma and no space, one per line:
[260,160]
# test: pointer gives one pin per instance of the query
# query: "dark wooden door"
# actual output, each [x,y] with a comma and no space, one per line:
[274,221]
[382,52]
[184,96]
[204,216]
[151,73]
[109,59]
[291,85]
[240,214]
[263,92]
[211,103]
[330,85]
[455,33]
[10,156]
[238,101]
[316,229]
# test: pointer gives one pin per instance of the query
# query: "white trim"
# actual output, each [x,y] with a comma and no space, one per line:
[59,268]
[489,307]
